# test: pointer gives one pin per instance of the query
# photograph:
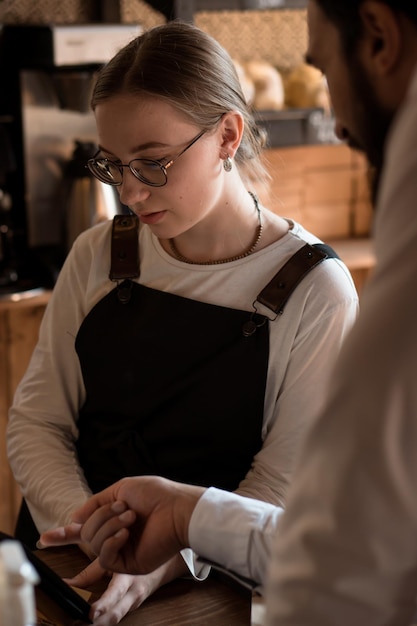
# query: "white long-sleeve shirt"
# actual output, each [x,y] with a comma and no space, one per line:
[235,532]
[304,342]
[346,547]
[347,550]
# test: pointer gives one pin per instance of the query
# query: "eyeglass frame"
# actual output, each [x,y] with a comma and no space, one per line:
[162,166]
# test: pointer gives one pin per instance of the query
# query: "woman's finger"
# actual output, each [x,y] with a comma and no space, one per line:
[60,536]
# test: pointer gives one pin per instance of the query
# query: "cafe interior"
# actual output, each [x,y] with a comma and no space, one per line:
[47,198]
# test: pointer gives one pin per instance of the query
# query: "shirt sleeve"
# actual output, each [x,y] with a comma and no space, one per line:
[235,532]
[304,344]
[42,427]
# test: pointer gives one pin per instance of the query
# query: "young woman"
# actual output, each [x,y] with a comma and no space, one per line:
[165,360]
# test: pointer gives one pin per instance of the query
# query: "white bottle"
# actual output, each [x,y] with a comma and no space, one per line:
[17,580]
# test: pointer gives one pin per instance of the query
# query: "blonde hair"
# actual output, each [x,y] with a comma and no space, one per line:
[188,68]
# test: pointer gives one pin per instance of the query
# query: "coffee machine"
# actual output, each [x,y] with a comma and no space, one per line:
[48,72]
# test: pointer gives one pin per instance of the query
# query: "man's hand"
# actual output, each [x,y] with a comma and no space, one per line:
[133,526]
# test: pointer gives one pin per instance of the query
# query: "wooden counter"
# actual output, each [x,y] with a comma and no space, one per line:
[19,327]
[184,602]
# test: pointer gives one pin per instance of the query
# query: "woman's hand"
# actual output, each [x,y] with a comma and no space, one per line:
[125,592]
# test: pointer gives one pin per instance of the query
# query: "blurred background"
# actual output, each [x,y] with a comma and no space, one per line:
[49,55]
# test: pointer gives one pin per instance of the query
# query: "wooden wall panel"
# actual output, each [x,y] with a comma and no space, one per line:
[323,187]
[19,326]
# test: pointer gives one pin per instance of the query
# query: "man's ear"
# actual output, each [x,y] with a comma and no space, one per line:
[232,125]
[382,36]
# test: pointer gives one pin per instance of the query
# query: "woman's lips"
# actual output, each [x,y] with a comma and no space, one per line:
[152,218]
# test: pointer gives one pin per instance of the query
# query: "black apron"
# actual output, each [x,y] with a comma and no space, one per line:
[173,388]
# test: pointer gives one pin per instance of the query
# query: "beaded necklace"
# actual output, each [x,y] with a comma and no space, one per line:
[258,235]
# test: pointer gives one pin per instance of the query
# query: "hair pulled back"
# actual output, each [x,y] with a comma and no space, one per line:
[188,68]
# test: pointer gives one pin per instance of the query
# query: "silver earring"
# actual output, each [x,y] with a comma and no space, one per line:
[227,164]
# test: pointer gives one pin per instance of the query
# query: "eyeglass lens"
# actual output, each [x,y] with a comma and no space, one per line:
[146,170]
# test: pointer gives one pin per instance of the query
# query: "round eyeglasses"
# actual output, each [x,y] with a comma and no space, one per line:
[148,171]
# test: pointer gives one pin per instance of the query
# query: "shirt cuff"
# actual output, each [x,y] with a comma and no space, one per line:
[234,531]
[198,570]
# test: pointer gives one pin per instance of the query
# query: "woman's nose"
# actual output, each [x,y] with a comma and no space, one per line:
[132,189]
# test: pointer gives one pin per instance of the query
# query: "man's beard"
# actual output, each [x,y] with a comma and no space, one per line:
[372,122]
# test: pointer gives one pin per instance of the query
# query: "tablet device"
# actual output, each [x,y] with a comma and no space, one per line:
[53,596]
